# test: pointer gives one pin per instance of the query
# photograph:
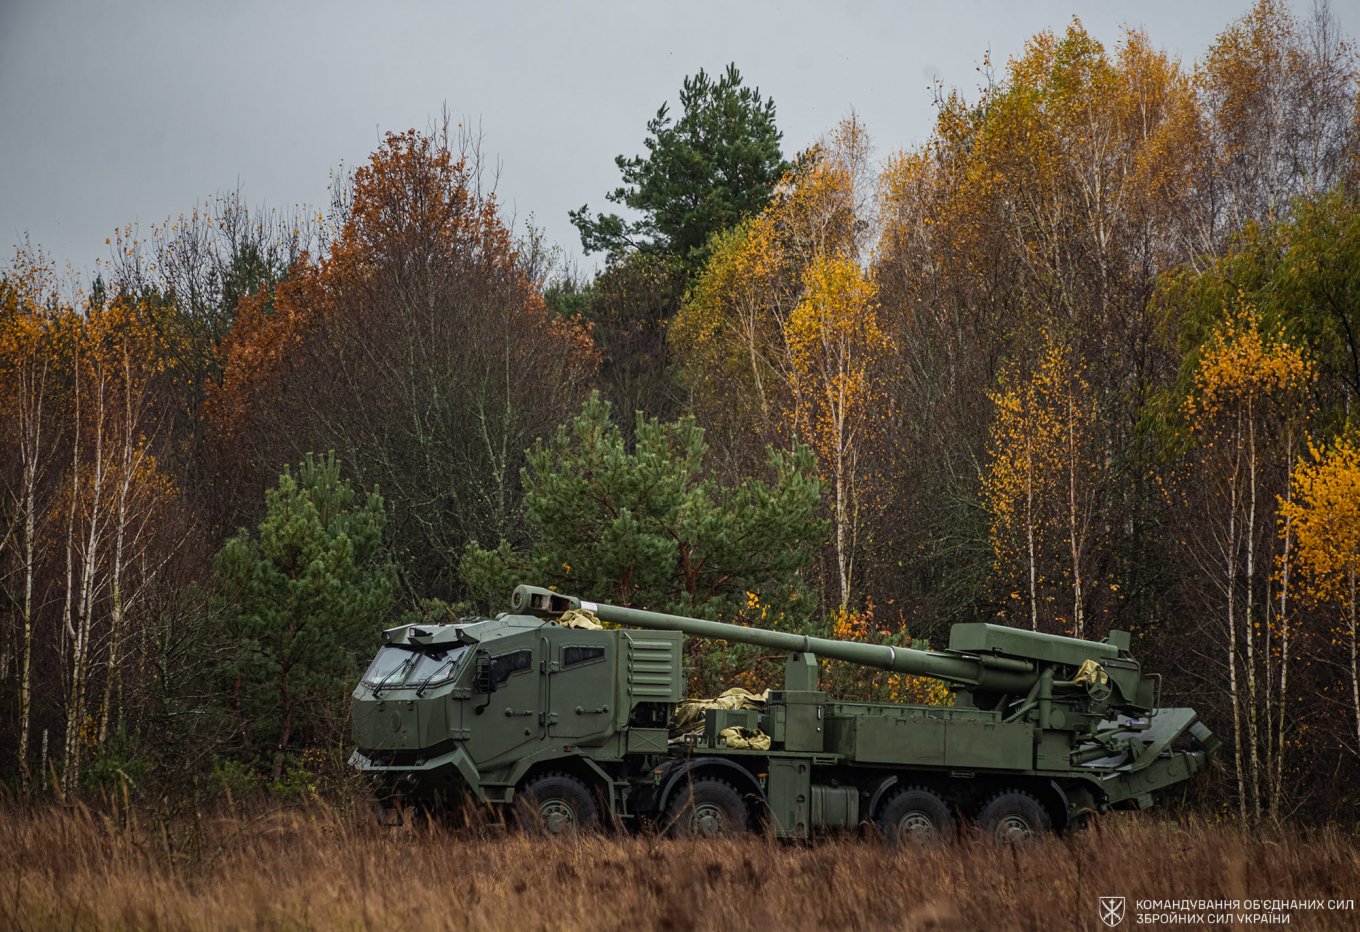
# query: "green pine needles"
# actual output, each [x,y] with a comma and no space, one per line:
[304,596]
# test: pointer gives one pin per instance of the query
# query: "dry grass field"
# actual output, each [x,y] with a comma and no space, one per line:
[324,867]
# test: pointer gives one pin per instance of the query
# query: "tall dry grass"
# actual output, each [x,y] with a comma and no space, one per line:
[326,867]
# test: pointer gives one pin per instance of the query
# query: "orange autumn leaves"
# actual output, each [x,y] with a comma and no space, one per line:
[269,328]
[417,229]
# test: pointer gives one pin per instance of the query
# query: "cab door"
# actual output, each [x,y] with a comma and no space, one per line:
[579,692]
[507,716]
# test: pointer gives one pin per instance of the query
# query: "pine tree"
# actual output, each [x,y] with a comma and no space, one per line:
[640,523]
[703,172]
[305,595]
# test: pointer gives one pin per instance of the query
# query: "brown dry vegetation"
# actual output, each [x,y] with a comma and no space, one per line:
[323,867]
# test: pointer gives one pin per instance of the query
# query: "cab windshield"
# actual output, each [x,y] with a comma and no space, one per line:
[405,666]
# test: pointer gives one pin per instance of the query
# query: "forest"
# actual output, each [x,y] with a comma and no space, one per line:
[1084,359]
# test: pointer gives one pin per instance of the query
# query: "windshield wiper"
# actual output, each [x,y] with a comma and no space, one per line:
[426,682]
[402,666]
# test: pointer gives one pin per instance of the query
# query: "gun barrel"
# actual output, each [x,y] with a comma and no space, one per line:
[987,672]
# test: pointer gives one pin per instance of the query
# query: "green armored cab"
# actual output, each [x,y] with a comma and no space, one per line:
[568,727]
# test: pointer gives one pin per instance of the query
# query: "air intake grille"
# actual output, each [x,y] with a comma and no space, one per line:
[654,666]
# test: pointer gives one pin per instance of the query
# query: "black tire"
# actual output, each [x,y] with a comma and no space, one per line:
[1014,816]
[556,805]
[707,808]
[915,815]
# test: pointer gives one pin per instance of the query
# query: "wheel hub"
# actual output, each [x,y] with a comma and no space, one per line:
[708,820]
[558,817]
[1014,828]
[916,824]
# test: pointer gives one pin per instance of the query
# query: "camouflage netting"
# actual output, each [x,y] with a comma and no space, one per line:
[689,715]
[580,618]
[1091,674]
[751,738]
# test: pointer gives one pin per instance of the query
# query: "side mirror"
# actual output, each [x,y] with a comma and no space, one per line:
[483,678]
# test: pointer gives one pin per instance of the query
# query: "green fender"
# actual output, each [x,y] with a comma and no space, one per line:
[572,762]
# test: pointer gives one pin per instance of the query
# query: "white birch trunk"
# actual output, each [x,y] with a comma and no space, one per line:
[1078,615]
[1229,588]
[31,446]
[1029,536]
[1249,630]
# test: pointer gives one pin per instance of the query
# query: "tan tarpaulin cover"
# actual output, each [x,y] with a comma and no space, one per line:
[1091,674]
[579,618]
[689,715]
[738,737]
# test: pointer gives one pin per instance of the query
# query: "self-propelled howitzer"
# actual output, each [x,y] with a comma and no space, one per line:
[567,727]
[982,661]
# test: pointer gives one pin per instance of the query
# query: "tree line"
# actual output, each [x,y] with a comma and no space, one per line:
[1084,359]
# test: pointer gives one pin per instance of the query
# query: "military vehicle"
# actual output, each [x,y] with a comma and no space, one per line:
[567,729]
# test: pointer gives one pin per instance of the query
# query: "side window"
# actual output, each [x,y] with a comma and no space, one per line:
[506,664]
[571,656]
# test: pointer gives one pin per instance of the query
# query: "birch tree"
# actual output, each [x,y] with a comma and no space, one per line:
[837,353]
[1041,482]
[1323,512]
[1245,382]
[29,408]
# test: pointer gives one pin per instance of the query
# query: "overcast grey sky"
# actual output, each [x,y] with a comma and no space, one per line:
[113,113]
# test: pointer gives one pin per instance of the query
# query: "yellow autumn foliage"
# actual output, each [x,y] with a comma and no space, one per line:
[1242,366]
[1038,484]
[856,680]
[1324,511]
[835,346]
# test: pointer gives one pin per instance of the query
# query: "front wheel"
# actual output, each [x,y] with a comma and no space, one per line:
[556,804]
[708,808]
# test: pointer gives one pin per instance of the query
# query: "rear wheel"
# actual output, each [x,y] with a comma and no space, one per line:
[915,815]
[1015,816]
[708,808]
[556,804]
